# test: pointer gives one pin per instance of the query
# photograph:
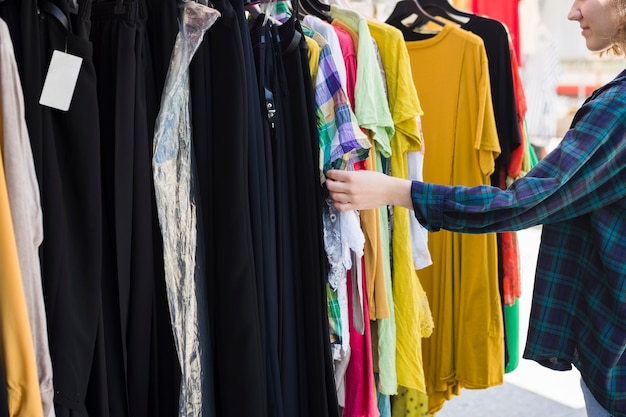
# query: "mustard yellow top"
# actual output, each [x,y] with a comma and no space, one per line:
[16,343]
[466,348]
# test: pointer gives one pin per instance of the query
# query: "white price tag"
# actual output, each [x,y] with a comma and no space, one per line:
[58,88]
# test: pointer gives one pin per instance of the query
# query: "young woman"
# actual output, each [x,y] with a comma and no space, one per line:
[578,192]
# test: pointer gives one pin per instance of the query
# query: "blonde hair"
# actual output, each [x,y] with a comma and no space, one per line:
[619,38]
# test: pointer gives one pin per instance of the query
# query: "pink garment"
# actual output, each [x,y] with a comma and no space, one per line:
[349,56]
[360,385]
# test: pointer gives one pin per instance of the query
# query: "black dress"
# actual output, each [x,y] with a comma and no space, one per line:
[316,379]
[272,86]
[66,150]
[263,220]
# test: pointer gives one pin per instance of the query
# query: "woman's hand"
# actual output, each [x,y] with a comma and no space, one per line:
[362,190]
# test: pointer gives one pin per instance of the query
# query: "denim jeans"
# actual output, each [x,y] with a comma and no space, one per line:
[594,409]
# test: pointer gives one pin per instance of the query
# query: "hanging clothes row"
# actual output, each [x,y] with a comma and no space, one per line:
[191,263]
[115,335]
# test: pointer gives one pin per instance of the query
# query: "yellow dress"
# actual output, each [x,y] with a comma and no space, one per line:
[466,349]
[16,343]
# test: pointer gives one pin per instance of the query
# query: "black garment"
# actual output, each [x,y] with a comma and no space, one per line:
[317,388]
[127,116]
[4,403]
[284,81]
[219,117]
[261,188]
[66,150]
[162,28]
[496,40]
[272,86]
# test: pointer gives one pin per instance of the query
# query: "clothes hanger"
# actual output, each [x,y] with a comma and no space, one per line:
[341,3]
[265,8]
[315,8]
[406,8]
[444,9]
[445,6]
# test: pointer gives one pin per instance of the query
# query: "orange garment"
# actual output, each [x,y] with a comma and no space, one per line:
[16,343]
[466,348]
[373,254]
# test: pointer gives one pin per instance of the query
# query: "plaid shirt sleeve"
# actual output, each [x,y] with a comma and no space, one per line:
[585,172]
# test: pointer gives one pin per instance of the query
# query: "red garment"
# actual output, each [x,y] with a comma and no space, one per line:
[505,11]
[512,285]
[360,387]
[517,155]
[510,261]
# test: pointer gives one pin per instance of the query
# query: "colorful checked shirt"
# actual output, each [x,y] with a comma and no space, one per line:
[578,192]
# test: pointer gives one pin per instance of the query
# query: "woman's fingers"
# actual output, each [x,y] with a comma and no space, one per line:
[337,188]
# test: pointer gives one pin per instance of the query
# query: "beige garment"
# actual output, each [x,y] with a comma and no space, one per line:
[24,201]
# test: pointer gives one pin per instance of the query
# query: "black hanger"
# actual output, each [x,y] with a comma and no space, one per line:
[446,6]
[445,9]
[315,8]
[406,8]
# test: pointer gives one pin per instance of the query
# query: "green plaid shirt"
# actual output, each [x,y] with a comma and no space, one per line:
[578,192]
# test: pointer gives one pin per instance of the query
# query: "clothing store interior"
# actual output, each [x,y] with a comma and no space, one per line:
[168,248]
